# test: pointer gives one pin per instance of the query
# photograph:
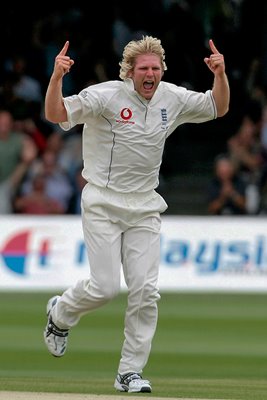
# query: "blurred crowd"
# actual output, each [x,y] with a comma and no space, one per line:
[239,182]
[40,165]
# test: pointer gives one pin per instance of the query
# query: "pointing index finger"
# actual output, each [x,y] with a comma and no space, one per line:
[213,47]
[64,49]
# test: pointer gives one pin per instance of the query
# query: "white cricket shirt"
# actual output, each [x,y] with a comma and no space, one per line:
[124,134]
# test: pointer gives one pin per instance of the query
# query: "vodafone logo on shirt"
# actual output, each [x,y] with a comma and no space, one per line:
[125,114]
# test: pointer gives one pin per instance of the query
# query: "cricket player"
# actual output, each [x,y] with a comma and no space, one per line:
[125,125]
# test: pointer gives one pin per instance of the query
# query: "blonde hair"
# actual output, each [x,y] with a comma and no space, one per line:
[134,48]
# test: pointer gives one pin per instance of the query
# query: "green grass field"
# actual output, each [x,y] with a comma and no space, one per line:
[206,346]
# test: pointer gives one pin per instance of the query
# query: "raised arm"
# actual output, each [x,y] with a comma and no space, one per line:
[54,107]
[220,90]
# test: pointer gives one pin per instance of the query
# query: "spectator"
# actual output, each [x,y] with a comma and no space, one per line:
[226,192]
[245,149]
[17,152]
[58,185]
[67,150]
[28,126]
[37,201]
[246,152]
[9,100]
[9,187]
[24,86]
[263,175]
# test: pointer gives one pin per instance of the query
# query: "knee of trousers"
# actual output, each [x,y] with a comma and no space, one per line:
[97,290]
[149,295]
[107,292]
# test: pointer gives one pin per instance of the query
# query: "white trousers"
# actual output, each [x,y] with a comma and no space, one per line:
[119,230]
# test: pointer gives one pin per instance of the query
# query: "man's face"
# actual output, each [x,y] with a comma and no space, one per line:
[146,74]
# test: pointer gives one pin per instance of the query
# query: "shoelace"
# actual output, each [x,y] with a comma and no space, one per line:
[53,329]
[127,378]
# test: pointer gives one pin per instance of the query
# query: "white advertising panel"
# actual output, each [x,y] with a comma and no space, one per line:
[197,253]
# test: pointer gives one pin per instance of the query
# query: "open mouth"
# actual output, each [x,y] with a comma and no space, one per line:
[148,85]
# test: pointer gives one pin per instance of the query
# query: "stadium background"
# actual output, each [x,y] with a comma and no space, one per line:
[210,344]
[98,31]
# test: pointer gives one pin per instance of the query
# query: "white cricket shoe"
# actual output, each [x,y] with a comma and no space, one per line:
[55,338]
[132,383]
